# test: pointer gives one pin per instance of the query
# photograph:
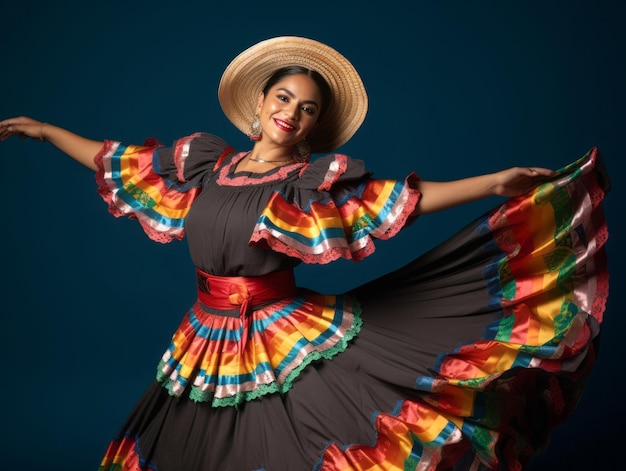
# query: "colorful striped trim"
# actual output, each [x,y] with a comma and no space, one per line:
[129,185]
[124,455]
[328,230]
[205,355]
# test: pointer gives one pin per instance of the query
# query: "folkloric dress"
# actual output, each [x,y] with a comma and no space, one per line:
[465,358]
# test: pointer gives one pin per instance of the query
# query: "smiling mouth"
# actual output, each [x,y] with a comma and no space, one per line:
[284,125]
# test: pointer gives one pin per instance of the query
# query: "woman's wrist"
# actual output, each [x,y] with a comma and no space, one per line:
[42,136]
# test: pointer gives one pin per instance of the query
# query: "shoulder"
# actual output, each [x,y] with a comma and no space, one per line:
[202,141]
[328,170]
[196,149]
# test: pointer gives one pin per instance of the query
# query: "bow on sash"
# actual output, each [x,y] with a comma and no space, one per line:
[226,293]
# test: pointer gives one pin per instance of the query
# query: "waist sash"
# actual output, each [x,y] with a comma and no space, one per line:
[226,293]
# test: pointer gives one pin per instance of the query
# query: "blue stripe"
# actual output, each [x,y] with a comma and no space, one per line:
[334,233]
[213,334]
[134,203]
[383,214]
[338,233]
[224,380]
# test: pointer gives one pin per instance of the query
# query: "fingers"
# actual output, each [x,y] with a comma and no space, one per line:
[8,129]
[540,171]
[537,175]
[13,121]
[22,126]
[520,180]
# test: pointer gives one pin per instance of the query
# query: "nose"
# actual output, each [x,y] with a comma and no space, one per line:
[292,110]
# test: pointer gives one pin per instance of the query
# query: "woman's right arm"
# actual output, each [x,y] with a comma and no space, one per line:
[81,149]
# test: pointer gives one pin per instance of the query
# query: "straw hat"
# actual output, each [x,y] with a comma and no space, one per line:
[246,75]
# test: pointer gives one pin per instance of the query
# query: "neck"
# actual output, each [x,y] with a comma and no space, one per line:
[270,156]
[262,160]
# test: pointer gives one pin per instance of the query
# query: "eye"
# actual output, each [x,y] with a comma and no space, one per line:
[284,98]
[308,110]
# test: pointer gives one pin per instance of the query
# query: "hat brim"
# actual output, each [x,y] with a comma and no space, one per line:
[246,75]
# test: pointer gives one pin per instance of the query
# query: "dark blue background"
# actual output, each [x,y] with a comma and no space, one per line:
[456,88]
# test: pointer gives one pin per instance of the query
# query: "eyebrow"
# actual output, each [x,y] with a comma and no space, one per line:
[290,93]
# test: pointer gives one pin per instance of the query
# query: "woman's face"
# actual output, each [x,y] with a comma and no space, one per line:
[289,110]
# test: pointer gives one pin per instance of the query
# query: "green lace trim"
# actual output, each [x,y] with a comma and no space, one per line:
[197,395]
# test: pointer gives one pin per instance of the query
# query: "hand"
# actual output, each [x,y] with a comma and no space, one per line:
[520,180]
[23,127]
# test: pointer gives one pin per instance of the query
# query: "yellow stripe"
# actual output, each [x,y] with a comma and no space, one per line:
[382,197]
[129,161]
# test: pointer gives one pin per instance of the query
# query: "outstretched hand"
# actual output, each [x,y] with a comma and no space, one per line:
[23,127]
[76,146]
[519,180]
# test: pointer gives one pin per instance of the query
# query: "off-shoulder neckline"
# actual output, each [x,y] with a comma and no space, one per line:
[228,177]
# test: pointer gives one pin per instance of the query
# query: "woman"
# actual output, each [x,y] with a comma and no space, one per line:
[466,358]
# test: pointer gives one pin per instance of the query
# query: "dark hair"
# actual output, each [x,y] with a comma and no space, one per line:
[321,83]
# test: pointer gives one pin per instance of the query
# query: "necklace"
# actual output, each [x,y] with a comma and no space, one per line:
[260,160]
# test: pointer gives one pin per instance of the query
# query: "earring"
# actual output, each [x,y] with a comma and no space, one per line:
[255,129]
[303,151]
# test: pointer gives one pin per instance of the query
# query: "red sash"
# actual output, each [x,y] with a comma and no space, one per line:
[226,293]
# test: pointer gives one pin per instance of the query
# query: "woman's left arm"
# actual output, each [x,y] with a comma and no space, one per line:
[437,196]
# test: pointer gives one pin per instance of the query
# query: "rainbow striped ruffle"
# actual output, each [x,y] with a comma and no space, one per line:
[326,229]
[127,182]
[205,355]
[124,455]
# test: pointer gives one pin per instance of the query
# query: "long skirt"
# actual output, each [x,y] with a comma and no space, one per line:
[466,358]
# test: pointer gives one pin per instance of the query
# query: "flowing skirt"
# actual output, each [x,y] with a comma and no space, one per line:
[466,358]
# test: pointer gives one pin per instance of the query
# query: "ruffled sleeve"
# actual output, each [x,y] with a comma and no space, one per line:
[334,210]
[156,184]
